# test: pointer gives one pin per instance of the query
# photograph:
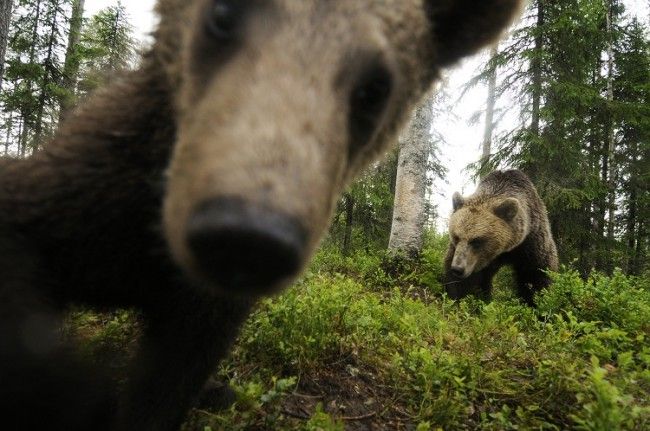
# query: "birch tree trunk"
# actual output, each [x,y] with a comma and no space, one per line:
[489,113]
[5,20]
[409,212]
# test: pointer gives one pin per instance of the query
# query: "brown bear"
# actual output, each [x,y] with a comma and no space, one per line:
[203,180]
[503,223]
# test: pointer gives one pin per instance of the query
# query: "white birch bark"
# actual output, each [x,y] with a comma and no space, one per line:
[409,212]
[489,114]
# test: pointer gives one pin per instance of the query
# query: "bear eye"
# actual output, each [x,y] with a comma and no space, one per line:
[455,239]
[224,18]
[367,102]
[477,242]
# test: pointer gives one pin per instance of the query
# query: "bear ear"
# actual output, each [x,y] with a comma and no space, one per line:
[457,201]
[462,27]
[507,209]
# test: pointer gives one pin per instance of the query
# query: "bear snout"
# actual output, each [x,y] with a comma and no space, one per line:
[458,271]
[241,247]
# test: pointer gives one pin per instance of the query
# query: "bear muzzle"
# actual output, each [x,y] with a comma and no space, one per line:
[463,264]
[458,271]
[245,248]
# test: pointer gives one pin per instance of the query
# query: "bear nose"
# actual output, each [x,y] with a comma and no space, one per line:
[457,271]
[243,247]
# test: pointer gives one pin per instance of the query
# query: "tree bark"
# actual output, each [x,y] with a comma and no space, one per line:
[71,66]
[22,138]
[48,69]
[349,219]
[631,230]
[409,212]
[489,113]
[10,125]
[26,113]
[536,68]
[640,252]
[6,7]
[611,174]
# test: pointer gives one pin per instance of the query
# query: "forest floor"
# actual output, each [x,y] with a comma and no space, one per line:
[361,345]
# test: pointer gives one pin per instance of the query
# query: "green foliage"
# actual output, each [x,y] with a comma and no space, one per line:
[618,301]
[431,264]
[41,74]
[107,44]
[103,332]
[258,406]
[363,216]
[31,85]
[495,366]
[382,270]
[322,421]
[555,65]
[287,333]
[580,360]
[602,404]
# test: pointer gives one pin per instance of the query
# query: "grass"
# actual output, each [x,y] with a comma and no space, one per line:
[361,342]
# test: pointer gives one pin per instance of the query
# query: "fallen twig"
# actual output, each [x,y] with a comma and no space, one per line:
[358,418]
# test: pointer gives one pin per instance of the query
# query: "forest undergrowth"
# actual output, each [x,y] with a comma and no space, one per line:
[366,343]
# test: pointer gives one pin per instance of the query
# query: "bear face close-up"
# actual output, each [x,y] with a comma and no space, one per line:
[298,100]
[190,187]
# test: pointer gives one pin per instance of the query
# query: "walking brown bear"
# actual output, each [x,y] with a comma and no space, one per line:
[503,223]
[202,181]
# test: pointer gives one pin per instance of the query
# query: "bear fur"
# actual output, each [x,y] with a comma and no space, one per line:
[267,109]
[503,223]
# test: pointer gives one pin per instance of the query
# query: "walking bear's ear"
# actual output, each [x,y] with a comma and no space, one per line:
[507,209]
[462,27]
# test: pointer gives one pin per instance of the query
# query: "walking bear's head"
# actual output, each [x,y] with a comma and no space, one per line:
[279,104]
[483,228]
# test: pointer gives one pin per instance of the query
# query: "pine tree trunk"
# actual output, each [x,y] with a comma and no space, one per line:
[409,212]
[489,113]
[635,191]
[631,229]
[349,219]
[536,69]
[611,174]
[22,137]
[71,66]
[602,210]
[26,113]
[10,125]
[641,248]
[5,19]
[45,83]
